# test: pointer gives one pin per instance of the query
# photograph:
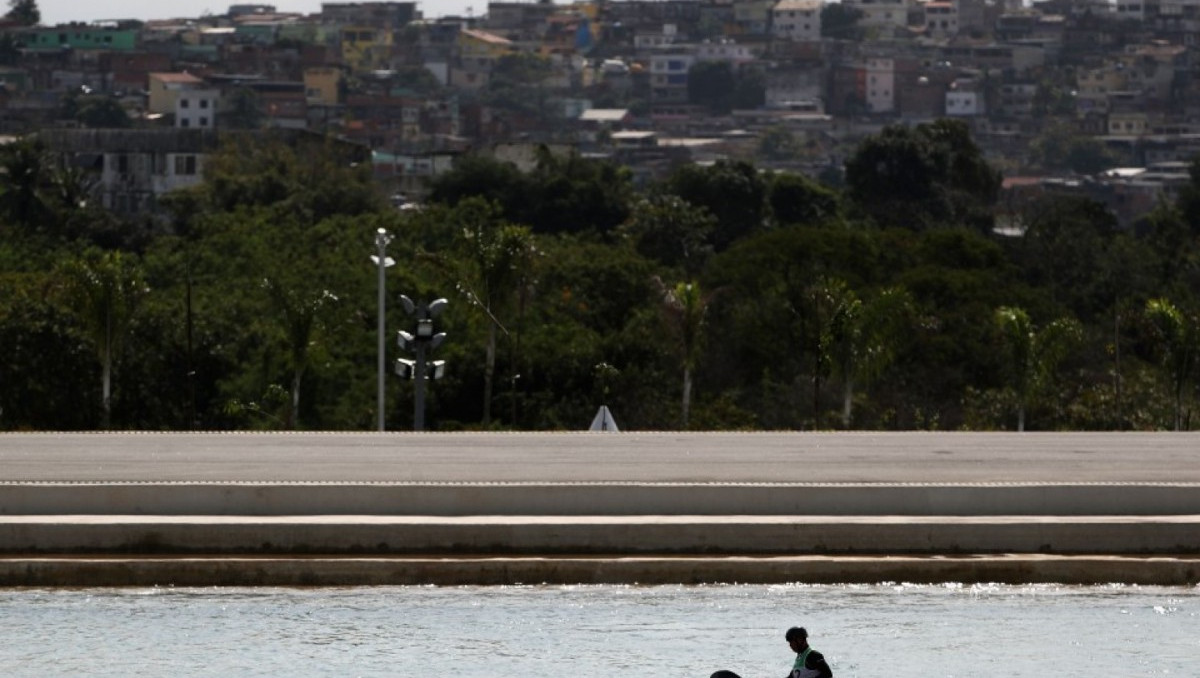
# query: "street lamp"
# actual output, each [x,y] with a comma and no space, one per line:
[382,262]
[423,341]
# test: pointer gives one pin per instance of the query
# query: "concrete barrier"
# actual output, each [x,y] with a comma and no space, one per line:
[189,509]
[616,499]
[384,571]
[498,535]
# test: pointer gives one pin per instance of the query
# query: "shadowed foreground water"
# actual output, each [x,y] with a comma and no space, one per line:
[901,631]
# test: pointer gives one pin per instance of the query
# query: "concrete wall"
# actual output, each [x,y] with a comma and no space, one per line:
[614,499]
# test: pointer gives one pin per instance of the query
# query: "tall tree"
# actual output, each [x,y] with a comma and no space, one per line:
[22,197]
[797,199]
[712,84]
[24,12]
[840,21]
[684,306]
[671,231]
[1177,335]
[103,289]
[492,263]
[734,192]
[862,337]
[929,175]
[1033,356]
[300,312]
[1066,244]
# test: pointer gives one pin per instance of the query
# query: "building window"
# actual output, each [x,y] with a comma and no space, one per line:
[184,103]
[203,121]
[185,122]
[185,165]
[204,103]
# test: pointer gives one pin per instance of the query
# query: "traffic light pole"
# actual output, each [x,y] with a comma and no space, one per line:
[420,343]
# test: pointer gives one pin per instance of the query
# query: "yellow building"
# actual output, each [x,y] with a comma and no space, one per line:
[165,88]
[482,48]
[322,85]
[366,48]
[478,52]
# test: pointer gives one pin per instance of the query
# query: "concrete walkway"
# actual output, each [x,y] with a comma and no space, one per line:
[324,508]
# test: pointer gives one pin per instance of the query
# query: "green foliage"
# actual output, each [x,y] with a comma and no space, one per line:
[684,307]
[103,289]
[1060,147]
[1176,334]
[864,309]
[797,199]
[491,265]
[312,178]
[734,192]
[243,112]
[576,195]
[922,177]
[721,88]
[711,84]
[1033,356]
[517,83]
[561,195]
[47,368]
[860,339]
[669,230]
[24,12]
[417,80]
[1068,250]
[840,21]
[96,111]
[779,144]
[482,176]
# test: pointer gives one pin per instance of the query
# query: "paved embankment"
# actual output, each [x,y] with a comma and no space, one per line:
[297,509]
[85,571]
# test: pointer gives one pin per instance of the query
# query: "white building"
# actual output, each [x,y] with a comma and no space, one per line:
[798,20]
[941,19]
[964,103]
[669,75]
[197,108]
[885,15]
[1129,9]
[880,85]
[724,50]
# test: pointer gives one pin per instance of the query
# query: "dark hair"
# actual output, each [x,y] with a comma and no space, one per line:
[795,632]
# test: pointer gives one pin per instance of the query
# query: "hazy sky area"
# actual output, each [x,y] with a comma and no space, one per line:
[65,11]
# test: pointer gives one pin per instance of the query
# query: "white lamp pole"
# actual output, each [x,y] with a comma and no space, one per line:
[382,262]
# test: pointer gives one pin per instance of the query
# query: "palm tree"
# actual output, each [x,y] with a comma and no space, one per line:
[493,263]
[1034,356]
[1178,337]
[860,338]
[301,313]
[103,289]
[684,307]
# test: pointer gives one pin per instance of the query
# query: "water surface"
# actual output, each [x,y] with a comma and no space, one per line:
[892,631]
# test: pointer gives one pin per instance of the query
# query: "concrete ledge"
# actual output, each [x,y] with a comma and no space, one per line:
[623,535]
[459,499]
[381,571]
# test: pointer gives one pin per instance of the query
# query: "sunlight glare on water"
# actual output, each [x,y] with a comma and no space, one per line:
[892,631]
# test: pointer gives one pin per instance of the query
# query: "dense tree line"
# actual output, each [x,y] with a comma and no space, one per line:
[722,297]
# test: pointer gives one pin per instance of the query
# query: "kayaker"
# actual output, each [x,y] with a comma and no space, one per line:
[809,662]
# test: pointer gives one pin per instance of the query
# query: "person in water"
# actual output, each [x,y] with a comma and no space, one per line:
[809,662]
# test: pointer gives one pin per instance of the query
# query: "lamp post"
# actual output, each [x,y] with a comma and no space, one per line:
[420,343]
[382,262]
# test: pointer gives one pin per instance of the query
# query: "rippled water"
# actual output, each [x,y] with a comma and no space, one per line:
[601,631]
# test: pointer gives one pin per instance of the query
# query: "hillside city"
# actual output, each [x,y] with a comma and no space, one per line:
[699,214]
[1086,96]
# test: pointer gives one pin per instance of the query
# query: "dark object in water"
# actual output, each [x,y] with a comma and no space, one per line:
[725,674]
